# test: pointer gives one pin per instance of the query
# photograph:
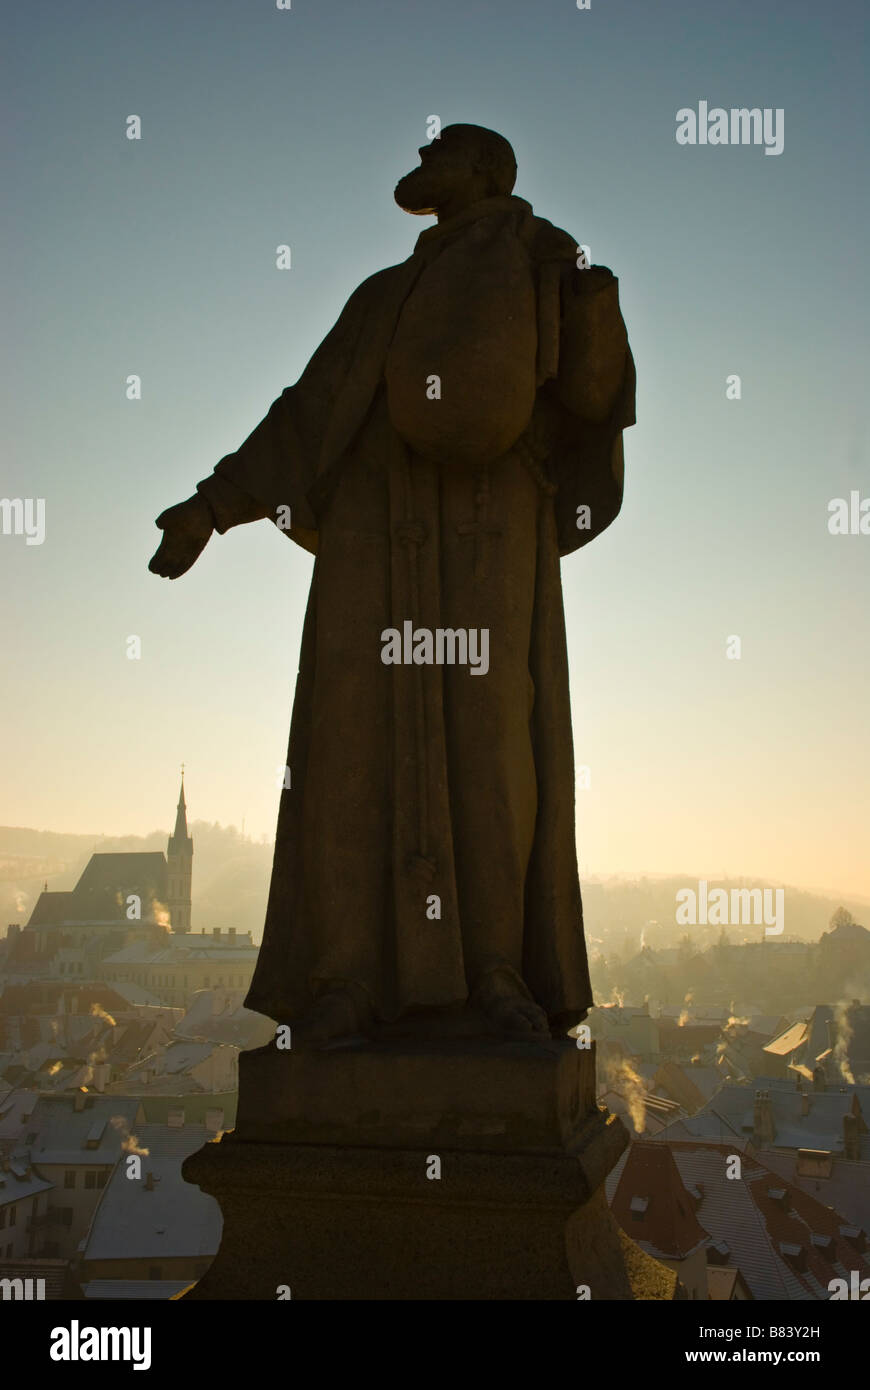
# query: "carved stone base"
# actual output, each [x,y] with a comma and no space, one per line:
[423,1171]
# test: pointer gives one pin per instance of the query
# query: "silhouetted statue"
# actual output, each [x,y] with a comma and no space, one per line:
[458,430]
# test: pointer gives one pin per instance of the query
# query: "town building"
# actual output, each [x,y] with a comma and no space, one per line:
[784,1243]
[154,1228]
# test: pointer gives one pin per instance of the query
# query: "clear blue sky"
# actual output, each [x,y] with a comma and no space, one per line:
[157,257]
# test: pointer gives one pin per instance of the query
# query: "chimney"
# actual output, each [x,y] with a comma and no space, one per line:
[819,1079]
[851,1138]
[79,1102]
[762,1119]
[805,1104]
[216,931]
[231,932]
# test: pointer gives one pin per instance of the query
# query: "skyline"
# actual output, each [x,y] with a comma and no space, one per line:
[104,838]
[157,258]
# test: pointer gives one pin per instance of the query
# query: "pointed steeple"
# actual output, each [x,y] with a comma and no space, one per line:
[179,867]
[180,832]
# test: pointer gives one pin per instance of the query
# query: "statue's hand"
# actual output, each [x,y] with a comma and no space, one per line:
[186,529]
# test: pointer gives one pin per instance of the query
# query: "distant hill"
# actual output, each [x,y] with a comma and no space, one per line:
[616,910]
[231,883]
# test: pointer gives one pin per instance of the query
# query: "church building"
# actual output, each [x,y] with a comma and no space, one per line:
[116,894]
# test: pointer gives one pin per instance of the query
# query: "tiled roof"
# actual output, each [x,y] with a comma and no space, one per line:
[109,878]
[847,1189]
[756,1227]
[233,1023]
[666,1223]
[789,1041]
[820,1128]
[13,1187]
[50,909]
[101,892]
[134,1288]
[64,1133]
[172,1219]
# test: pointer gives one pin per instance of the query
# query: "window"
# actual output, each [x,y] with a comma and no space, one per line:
[90,1179]
[69,1177]
[13,1215]
[2,1217]
[65,1216]
[102,1178]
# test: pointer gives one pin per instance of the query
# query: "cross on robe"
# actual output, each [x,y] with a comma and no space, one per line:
[478,529]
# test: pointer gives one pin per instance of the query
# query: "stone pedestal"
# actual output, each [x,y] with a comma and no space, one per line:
[431,1170]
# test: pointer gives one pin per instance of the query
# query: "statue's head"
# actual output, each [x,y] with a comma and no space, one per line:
[464,164]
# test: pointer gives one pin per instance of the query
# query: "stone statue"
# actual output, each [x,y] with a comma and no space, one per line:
[457,431]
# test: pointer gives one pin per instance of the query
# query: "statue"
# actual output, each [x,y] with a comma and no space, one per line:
[456,433]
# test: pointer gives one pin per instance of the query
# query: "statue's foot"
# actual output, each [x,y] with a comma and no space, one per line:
[514,1013]
[519,1018]
[335,1014]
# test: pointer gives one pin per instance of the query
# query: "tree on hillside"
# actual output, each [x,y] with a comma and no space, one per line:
[841,918]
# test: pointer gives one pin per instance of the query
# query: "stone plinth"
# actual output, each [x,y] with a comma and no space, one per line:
[328,1184]
[475,1094]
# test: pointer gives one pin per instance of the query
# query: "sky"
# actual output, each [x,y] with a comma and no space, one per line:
[157,257]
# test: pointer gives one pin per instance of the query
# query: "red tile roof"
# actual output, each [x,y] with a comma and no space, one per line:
[667,1224]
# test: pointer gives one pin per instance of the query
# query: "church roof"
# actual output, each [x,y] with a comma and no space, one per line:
[109,878]
[51,909]
[103,888]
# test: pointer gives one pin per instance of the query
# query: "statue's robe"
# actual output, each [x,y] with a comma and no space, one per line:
[427,836]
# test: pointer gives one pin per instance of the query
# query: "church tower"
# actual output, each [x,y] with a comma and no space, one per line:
[179,868]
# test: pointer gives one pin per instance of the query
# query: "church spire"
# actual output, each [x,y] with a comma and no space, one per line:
[179,867]
[180,832]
